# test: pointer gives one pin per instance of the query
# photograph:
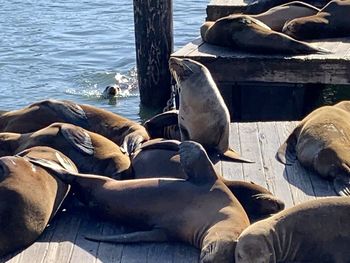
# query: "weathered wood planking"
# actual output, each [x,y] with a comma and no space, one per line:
[220,8]
[227,65]
[64,240]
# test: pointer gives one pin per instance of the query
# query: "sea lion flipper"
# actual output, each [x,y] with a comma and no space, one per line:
[79,138]
[154,235]
[286,154]
[172,145]
[341,185]
[232,155]
[196,163]
[132,142]
[69,111]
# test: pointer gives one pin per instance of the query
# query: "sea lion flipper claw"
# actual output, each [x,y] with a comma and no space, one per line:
[232,155]
[79,138]
[154,235]
[341,185]
[286,154]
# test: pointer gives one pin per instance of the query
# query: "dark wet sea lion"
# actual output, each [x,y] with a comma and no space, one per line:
[203,115]
[124,132]
[29,197]
[314,231]
[246,33]
[277,16]
[321,142]
[91,152]
[110,92]
[164,125]
[200,211]
[161,159]
[332,21]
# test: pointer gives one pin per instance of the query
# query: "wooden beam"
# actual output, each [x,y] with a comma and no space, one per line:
[154,44]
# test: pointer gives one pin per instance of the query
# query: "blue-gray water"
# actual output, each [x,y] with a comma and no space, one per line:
[69,49]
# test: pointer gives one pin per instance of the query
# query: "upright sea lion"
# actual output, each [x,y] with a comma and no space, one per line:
[110,92]
[321,142]
[247,33]
[332,21]
[314,231]
[161,159]
[200,211]
[277,16]
[29,197]
[118,129]
[91,152]
[203,115]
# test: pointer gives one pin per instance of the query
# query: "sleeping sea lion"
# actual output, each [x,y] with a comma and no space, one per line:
[321,142]
[90,151]
[332,21]
[200,211]
[203,115]
[314,231]
[277,16]
[118,129]
[29,197]
[246,33]
[161,159]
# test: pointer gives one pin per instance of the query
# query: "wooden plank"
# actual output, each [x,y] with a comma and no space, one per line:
[228,65]
[133,253]
[220,8]
[274,170]
[184,253]
[248,133]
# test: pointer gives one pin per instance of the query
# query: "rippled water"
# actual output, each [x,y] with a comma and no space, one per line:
[74,49]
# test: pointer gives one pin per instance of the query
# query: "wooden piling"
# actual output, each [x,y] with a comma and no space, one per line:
[154,43]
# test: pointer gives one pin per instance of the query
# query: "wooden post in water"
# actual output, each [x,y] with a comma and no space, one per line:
[154,43]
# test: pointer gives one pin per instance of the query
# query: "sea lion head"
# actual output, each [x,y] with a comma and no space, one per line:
[219,250]
[255,246]
[111,92]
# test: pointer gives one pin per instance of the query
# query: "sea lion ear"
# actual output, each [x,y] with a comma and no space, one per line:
[69,111]
[78,138]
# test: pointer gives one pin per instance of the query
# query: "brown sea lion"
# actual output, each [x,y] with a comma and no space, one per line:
[200,211]
[321,142]
[203,115]
[29,197]
[332,21]
[277,16]
[118,129]
[246,33]
[164,125]
[161,159]
[314,231]
[91,152]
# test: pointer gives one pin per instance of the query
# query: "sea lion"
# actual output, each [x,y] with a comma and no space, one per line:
[314,231]
[118,129]
[164,125]
[91,152]
[277,16]
[249,34]
[321,142]
[110,92]
[200,211]
[204,119]
[332,21]
[29,197]
[161,159]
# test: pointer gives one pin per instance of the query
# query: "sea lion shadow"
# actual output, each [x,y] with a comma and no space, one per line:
[308,181]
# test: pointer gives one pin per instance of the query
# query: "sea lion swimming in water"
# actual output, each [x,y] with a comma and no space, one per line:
[332,21]
[200,211]
[321,142]
[124,132]
[314,231]
[90,151]
[160,158]
[246,33]
[29,197]
[202,118]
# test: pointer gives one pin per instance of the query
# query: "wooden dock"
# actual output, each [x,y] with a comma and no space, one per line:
[63,241]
